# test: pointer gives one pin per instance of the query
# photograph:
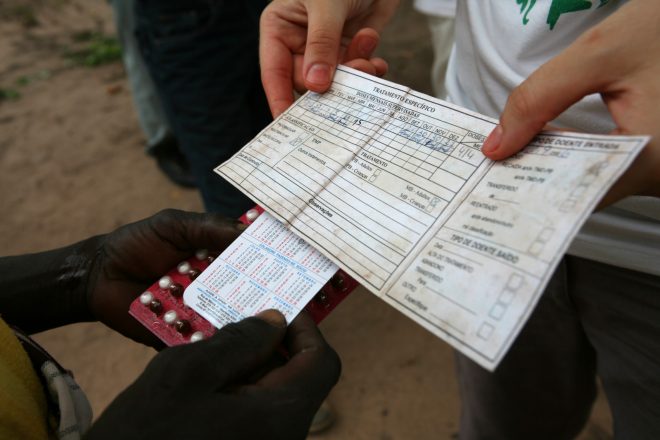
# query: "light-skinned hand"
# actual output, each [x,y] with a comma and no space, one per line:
[618,58]
[303,41]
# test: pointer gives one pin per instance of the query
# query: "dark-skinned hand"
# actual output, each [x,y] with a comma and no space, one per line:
[226,388]
[96,279]
[136,255]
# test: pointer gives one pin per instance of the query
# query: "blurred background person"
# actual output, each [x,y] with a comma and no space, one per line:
[160,140]
[203,58]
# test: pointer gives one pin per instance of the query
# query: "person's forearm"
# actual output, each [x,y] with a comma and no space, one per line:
[48,289]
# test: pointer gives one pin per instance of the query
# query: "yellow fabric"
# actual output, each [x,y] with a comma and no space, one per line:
[23,409]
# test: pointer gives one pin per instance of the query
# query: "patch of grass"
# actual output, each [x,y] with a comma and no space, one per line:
[84,36]
[23,81]
[26,80]
[99,49]
[9,94]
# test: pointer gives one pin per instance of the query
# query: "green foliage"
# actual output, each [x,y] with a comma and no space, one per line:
[98,49]
[8,94]
[26,80]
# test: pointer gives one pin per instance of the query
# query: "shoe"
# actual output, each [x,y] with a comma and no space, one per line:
[175,166]
[323,419]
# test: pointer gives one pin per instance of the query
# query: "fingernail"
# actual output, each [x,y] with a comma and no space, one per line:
[318,74]
[493,140]
[367,46]
[272,317]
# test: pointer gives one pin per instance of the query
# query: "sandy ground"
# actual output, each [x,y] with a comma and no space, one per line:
[72,165]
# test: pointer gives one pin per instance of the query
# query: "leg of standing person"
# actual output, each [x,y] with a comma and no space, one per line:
[145,97]
[544,387]
[620,313]
[203,56]
[160,141]
[593,319]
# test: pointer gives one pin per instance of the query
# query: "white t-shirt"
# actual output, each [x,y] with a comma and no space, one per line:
[499,44]
[439,8]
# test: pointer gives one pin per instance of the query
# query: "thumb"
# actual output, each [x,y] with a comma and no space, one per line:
[326,22]
[543,96]
[235,351]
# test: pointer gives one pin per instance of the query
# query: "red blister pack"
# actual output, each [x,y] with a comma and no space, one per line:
[160,308]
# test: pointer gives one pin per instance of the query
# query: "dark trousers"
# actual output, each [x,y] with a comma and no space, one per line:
[203,57]
[593,319]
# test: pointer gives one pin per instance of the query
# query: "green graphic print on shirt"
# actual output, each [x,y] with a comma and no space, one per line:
[557,8]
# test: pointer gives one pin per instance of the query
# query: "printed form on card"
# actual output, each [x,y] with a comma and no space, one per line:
[390,184]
